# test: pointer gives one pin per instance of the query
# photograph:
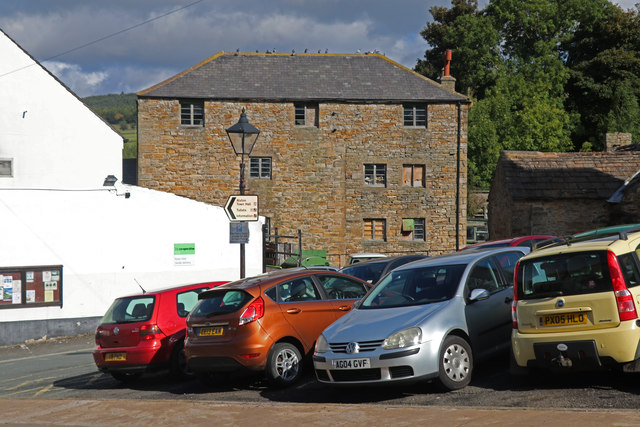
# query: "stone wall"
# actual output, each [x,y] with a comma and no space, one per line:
[317,182]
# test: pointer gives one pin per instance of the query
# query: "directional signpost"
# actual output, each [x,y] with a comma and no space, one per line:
[242,208]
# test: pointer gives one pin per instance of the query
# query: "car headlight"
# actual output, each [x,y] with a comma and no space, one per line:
[402,339]
[322,346]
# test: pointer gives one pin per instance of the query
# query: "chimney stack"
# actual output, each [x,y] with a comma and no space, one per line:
[447,81]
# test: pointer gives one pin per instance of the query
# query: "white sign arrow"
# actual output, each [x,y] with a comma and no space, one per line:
[242,208]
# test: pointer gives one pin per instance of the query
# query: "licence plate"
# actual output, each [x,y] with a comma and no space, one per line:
[210,332]
[115,357]
[563,319]
[351,363]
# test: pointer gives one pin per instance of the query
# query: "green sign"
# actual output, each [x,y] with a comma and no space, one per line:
[184,248]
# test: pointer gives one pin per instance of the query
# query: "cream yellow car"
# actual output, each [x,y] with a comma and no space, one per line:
[575,305]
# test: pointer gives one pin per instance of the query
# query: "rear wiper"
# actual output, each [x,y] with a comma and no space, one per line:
[216,313]
[547,294]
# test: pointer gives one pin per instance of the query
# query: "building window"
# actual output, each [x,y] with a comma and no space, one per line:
[415,115]
[306,114]
[413,175]
[6,168]
[413,229]
[191,113]
[375,229]
[375,175]
[31,286]
[260,167]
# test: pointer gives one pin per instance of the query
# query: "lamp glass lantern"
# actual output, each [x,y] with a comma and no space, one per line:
[243,136]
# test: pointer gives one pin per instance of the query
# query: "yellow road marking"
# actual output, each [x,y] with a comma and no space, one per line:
[44,390]
[39,380]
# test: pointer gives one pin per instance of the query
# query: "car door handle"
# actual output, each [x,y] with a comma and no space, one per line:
[508,300]
[344,308]
[293,310]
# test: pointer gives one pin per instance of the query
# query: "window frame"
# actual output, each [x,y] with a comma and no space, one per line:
[374,174]
[414,116]
[411,234]
[10,162]
[25,283]
[372,236]
[260,172]
[412,181]
[191,114]
[302,116]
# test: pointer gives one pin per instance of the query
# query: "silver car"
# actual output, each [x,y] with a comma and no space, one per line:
[425,320]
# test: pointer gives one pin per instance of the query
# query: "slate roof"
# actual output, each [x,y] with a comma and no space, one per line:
[301,77]
[536,175]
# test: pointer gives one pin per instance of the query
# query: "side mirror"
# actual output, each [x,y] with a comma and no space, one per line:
[479,295]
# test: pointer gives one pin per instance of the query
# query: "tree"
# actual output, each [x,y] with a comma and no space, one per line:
[472,36]
[603,57]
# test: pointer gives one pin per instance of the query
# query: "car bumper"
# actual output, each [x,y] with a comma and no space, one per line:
[146,356]
[384,366]
[583,349]
[227,356]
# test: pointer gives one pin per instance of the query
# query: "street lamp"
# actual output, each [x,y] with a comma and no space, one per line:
[243,136]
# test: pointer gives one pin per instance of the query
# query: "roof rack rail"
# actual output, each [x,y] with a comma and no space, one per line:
[568,240]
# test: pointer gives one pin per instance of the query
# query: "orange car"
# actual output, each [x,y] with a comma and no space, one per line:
[268,322]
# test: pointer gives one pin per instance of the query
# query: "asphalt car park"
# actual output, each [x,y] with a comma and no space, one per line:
[64,370]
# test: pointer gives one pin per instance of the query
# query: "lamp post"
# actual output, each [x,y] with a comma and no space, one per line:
[243,136]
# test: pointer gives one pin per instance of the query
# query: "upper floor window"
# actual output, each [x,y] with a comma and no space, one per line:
[306,114]
[375,229]
[375,174]
[191,113]
[413,229]
[6,167]
[415,115]
[260,167]
[413,175]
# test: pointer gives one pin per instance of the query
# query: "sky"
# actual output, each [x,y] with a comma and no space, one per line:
[99,47]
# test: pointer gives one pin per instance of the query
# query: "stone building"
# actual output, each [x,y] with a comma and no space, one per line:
[358,152]
[565,193]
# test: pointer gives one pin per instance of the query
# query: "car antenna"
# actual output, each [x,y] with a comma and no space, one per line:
[143,291]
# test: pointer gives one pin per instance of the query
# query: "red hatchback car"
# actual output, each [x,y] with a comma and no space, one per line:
[145,332]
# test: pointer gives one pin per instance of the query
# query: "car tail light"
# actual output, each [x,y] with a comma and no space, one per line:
[148,332]
[254,312]
[514,303]
[624,299]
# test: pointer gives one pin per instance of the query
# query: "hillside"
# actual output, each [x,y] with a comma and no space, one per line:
[120,112]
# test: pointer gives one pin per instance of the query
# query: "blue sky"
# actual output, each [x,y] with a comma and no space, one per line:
[51,30]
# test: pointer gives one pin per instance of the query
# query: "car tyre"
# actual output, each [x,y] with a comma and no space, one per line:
[456,363]
[284,365]
[178,364]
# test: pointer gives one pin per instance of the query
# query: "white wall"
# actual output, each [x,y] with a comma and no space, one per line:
[105,242]
[55,141]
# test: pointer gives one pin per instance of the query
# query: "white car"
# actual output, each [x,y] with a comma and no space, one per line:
[425,320]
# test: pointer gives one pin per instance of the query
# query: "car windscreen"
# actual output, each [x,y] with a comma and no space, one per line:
[129,310]
[564,274]
[369,272]
[415,286]
[216,303]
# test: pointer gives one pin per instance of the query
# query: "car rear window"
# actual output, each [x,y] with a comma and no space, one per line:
[368,272]
[564,274]
[415,286]
[129,310]
[219,302]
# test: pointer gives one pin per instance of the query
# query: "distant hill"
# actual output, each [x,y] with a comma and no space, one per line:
[120,112]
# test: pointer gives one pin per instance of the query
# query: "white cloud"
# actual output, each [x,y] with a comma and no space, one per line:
[82,83]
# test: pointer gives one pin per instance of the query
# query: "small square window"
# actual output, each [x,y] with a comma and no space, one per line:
[375,175]
[375,229]
[192,113]
[415,115]
[260,167]
[306,114]
[6,167]
[413,175]
[413,229]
